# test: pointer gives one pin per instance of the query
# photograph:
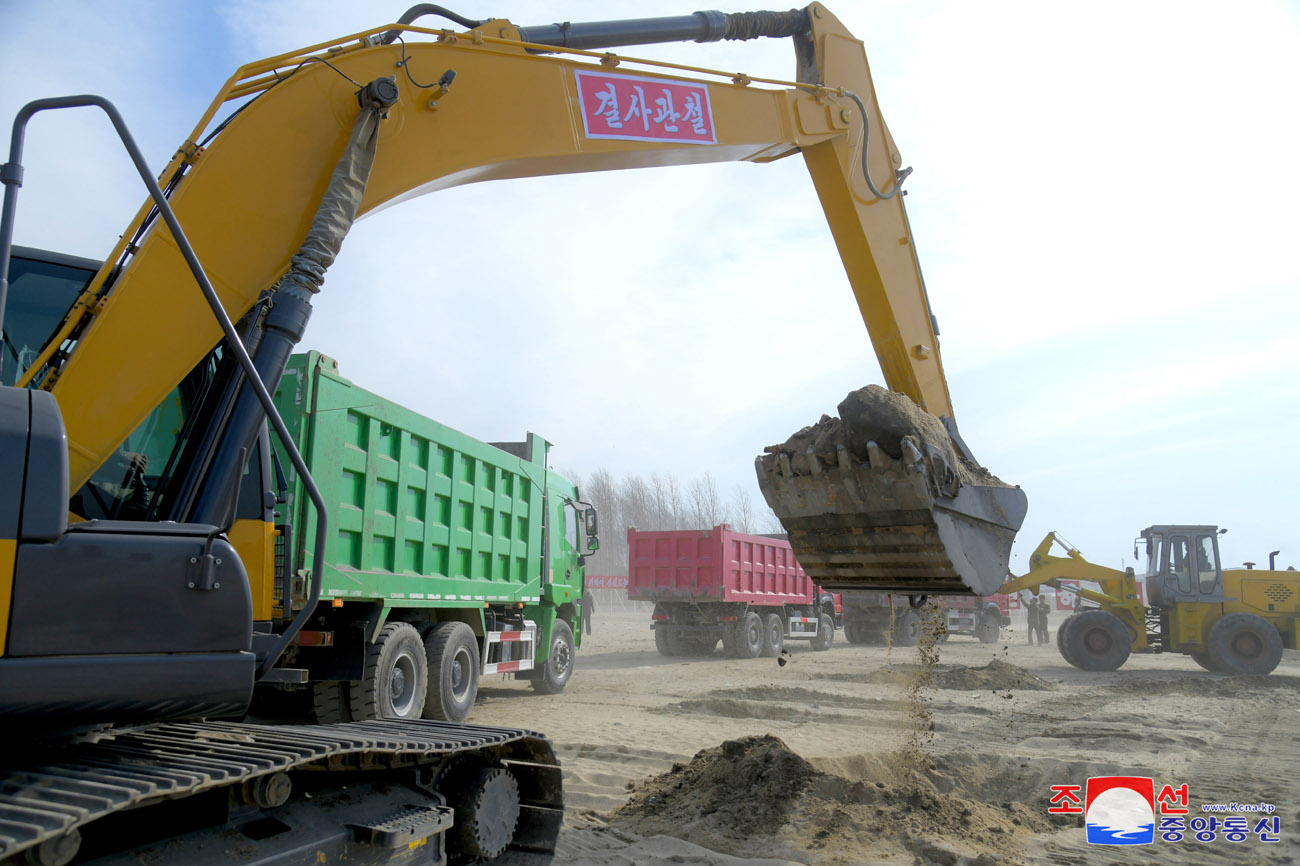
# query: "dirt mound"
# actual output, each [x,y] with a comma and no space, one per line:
[739,789]
[874,414]
[756,797]
[997,674]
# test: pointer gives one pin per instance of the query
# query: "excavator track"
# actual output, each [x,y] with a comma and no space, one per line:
[364,792]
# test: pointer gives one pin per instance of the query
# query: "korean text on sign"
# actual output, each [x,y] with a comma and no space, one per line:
[644,109]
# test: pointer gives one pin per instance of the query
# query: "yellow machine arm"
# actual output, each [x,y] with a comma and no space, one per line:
[245,198]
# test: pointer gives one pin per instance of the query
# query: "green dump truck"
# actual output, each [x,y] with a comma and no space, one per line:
[448,558]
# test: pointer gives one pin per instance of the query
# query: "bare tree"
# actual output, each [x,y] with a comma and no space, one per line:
[707,510]
[742,510]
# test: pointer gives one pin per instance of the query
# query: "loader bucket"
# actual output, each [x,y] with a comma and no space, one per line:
[900,511]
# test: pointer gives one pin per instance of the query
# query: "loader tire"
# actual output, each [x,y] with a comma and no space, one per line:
[1097,641]
[451,650]
[749,636]
[396,675]
[773,635]
[1202,658]
[1061,632]
[825,634]
[558,666]
[1243,643]
[907,628]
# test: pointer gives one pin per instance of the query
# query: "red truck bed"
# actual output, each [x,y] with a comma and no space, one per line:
[714,565]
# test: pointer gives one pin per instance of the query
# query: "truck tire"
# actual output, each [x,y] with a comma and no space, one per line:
[990,625]
[825,633]
[749,636]
[1243,643]
[664,643]
[907,628]
[773,635]
[395,678]
[1097,641]
[703,645]
[453,660]
[330,702]
[730,640]
[559,663]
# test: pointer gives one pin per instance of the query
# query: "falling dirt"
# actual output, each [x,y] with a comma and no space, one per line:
[754,796]
[997,675]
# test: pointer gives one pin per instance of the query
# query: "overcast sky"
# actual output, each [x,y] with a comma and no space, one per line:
[1103,202]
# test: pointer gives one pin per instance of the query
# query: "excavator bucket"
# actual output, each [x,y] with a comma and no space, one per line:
[883,498]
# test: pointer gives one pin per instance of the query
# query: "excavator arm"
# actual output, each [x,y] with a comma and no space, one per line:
[498,101]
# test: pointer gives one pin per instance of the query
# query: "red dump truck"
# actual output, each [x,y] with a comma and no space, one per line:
[711,585]
[867,617]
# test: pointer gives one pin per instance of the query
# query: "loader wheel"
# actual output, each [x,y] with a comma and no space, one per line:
[907,629]
[773,635]
[559,664]
[1243,643]
[749,637]
[1061,633]
[395,677]
[825,633]
[1097,641]
[1202,658]
[451,650]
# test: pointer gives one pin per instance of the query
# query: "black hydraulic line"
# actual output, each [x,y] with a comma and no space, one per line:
[12,176]
[422,9]
[710,26]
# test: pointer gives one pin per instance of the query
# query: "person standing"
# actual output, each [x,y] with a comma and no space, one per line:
[1043,611]
[1033,619]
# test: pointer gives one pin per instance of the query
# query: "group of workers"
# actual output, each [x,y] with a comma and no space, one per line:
[1038,610]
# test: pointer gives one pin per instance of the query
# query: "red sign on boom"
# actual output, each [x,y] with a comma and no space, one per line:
[640,108]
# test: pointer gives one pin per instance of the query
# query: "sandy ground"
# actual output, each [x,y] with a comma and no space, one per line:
[657,767]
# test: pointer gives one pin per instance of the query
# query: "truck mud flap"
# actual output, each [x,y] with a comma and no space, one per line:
[902,525]
[57,799]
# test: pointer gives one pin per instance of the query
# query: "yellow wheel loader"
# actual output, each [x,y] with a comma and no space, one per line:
[1235,622]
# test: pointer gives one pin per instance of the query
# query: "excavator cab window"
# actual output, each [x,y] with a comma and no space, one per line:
[42,288]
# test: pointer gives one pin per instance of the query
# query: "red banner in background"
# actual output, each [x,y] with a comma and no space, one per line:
[605,581]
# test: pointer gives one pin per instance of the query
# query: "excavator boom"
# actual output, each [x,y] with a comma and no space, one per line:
[503,101]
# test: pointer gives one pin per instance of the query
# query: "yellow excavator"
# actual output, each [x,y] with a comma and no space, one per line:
[137,584]
[1233,621]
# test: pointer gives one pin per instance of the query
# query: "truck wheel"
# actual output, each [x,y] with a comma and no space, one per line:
[330,702]
[1096,641]
[452,652]
[730,639]
[907,629]
[749,638]
[664,643]
[1243,643]
[988,630]
[773,635]
[703,646]
[825,633]
[559,666]
[855,632]
[395,677]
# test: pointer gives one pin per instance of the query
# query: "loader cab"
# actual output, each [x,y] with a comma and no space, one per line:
[1183,564]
